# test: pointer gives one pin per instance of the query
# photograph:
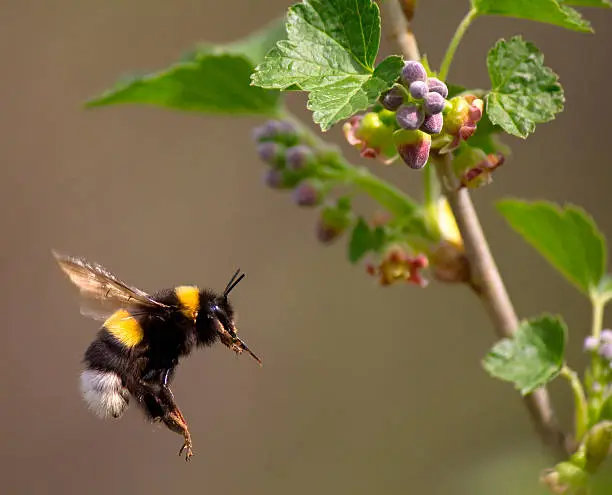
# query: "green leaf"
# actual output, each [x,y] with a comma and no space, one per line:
[330,53]
[606,410]
[256,45]
[524,91]
[548,11]
[216,84]
[342,99]
[532,357]
[363,240]
[606,4]
[567,237]
[212,79]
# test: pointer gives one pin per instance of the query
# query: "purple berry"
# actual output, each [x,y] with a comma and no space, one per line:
[433,103]
[392,99]
[298,157]
[418,90]
[591,344]
[413,71]
[437,86]
[409,117]
[432,124]
[274,178]
[306,194]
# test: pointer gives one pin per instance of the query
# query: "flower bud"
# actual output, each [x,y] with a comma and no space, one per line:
[475,168]
[598,442]
[591,343]
[433,103]
[413,71]
[307,194]
[551,480]
[298,158]
[449,263]
[434,84]
[274,178]
[392,99]
[276,130]
[433,124]
[333,221]
[272,153]
[447,223]
[606,336]
[571,475]
[605,351]
[409,116]
[418,90]
[413,147]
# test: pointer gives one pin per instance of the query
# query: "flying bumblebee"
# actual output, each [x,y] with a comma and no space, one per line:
[142,338]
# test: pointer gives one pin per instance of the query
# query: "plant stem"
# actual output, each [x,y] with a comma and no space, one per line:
[581,418]
[431,195]
[485,278]
[454,43]
[598,312]
[488,284]
[401,29]
[390,197]
[596,326]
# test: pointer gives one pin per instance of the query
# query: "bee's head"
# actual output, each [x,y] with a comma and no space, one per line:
[221,314]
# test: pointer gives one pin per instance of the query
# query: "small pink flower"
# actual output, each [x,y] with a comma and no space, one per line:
[398,266]
[371,136]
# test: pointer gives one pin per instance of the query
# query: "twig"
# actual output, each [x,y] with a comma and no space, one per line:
[400,14]
[485,277]
[487,283]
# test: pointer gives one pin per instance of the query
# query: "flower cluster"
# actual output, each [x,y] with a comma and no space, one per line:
[462,114]
[601,345]
[296,165]
[412,118]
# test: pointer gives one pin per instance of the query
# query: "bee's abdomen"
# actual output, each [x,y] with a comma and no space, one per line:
[104,393]
[103,382]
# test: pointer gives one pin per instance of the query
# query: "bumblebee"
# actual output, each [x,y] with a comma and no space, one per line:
[142,338]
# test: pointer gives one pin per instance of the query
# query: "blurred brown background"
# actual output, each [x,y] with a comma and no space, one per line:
[363,390]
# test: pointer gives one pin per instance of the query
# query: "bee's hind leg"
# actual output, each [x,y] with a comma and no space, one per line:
[160,405]
[175,421]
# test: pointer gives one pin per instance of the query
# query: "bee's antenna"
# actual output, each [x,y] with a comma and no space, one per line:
[236,278]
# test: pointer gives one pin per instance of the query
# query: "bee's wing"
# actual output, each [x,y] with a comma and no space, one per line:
[101,292]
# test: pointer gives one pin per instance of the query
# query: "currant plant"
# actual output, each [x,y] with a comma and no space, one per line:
[400,110]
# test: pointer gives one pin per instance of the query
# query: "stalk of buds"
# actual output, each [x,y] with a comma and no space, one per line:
[295,165]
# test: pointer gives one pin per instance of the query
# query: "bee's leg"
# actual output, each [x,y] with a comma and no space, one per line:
[175,421]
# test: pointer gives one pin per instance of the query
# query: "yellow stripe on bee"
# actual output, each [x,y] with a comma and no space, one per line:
[189,299]
[125,328]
